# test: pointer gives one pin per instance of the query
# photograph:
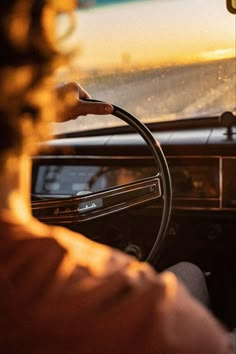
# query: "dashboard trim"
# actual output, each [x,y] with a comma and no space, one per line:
[123,157]
[221,181]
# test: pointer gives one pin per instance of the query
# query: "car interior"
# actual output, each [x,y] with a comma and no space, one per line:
[156,179]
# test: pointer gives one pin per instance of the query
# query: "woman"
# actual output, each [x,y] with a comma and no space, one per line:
[60,292]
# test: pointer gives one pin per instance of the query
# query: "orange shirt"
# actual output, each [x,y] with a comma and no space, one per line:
[61,293]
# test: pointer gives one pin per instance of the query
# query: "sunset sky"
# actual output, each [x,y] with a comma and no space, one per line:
[153,33]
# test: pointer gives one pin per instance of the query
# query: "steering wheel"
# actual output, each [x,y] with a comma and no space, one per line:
[94,205]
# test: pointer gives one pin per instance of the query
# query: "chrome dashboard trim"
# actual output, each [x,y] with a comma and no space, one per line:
[120,157]
[195,198]
[221,182]
[92,157]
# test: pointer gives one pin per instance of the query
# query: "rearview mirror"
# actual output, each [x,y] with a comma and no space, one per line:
[231,6]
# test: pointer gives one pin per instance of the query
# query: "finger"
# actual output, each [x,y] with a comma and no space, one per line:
[83,94]
[77,88]
[74,88]
[94,108]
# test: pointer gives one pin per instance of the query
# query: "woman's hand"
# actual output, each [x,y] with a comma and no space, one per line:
[71,96]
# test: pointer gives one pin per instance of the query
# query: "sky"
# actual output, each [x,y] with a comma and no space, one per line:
[153,33]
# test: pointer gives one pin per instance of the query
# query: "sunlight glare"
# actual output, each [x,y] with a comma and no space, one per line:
[153,33]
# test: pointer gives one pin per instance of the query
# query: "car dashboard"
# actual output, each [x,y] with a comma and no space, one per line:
[202,162]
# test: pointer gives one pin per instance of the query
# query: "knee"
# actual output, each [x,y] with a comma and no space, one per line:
[189,269]
[193,279]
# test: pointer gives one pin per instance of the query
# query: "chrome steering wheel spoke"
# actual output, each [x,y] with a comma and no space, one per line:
[95,205]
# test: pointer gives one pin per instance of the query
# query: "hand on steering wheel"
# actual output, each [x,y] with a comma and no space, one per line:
[75,102]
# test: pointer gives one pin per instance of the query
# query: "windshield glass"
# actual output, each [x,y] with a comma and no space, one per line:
[158,59]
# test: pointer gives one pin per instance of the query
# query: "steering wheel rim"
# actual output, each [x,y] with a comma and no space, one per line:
[159,157]
[163,181]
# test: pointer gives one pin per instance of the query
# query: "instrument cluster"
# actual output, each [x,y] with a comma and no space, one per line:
[198,182]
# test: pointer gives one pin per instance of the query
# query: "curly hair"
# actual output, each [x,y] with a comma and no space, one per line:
[28,57]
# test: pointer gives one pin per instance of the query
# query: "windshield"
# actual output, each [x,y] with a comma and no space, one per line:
[158,59]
